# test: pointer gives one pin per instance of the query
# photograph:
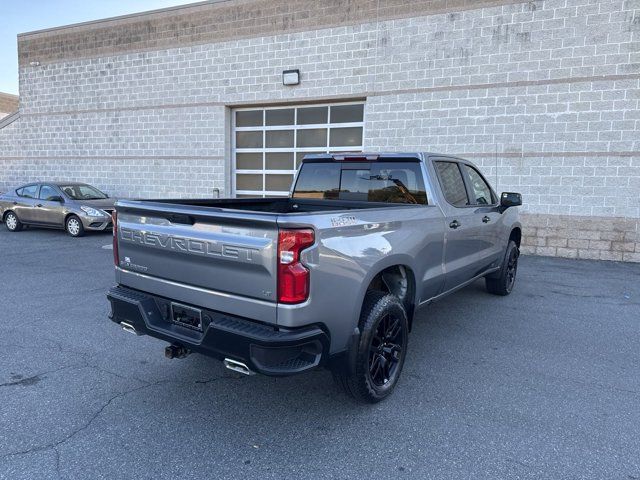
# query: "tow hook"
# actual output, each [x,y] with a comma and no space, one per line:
[176,351]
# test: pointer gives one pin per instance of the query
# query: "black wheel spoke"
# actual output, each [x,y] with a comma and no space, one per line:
[387,371]
[394,330]
[375,365]
[385,349]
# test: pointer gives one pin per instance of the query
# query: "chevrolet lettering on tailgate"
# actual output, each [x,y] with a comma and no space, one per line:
[189,245]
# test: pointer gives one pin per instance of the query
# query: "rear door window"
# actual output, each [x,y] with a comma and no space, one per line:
[453,187]
[30,191]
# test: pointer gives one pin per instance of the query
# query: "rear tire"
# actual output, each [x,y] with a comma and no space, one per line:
[381,349]
[503,283]
[12,222]
[74,226]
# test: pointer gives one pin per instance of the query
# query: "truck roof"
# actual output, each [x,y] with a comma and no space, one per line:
[372,156]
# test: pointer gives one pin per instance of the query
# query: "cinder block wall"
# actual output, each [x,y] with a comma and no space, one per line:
[544,95]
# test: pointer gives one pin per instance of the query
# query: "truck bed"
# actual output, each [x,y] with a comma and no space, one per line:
[279,205]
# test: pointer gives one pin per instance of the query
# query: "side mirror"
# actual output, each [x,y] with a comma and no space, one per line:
[510,199]
[56,198]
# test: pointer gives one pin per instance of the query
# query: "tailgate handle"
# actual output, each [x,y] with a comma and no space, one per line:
[178,218]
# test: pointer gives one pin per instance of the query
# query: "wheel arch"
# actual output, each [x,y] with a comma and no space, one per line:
[70,214]
[516,235]
[395,276]
[7,212]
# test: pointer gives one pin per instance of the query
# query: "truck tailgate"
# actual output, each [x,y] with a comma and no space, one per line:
[211,249]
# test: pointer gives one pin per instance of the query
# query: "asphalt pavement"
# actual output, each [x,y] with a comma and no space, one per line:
[544,383]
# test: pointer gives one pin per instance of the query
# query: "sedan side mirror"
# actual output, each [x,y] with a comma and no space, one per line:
[56,198]
[510,199]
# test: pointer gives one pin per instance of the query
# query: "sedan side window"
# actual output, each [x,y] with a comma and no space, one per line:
[47,192]
[481,191]
[30,191]
[452,183]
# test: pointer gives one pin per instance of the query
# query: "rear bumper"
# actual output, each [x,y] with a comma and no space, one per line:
[264,349]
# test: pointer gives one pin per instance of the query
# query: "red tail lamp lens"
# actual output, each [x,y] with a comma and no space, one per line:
[293,276]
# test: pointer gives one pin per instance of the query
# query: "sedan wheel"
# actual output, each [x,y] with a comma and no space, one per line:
[74,227]
[12,222]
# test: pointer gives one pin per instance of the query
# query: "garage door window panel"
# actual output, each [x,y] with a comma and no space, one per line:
[279,161]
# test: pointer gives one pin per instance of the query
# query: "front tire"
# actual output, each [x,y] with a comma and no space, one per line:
[12,222]
[381,349]
[74,226]
[503,283]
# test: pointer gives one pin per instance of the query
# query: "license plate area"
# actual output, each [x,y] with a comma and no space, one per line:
[186,316]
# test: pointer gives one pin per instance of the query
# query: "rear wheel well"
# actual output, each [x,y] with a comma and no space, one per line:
[4,215]
[397,280]
[516,236]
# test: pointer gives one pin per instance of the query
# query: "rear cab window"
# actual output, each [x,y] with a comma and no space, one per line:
[386,182]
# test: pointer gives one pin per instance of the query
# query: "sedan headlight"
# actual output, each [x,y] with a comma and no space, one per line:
[92,212]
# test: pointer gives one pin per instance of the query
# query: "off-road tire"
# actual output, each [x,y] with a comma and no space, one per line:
[504,281]
[357,379]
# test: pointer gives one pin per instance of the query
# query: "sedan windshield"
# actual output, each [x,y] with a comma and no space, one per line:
[82,192]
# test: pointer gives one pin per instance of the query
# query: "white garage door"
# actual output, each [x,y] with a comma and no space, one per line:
[269,143]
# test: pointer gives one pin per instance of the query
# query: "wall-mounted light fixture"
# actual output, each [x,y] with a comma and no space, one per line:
[291,77]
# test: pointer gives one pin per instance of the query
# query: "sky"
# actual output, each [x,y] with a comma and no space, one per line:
[29,15]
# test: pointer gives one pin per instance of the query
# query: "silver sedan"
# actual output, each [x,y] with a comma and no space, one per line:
[74,207]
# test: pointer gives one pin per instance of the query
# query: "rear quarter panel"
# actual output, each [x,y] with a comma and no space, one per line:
[351,248]
[6,201]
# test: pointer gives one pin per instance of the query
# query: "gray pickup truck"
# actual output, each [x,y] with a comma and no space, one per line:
[330,276]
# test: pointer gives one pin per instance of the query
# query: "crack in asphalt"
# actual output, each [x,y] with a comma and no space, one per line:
[54,445]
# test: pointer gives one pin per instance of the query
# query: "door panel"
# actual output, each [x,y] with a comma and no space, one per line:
[26,203]
[46,211]
[468,237]
[464,246]
[488,216]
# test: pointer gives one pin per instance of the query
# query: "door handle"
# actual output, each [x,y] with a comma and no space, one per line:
[486,219]
[455,224]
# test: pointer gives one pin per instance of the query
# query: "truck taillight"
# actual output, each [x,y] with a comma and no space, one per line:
[293,276]
[116,254]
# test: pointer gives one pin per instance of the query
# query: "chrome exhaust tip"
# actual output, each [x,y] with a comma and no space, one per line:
[127,327]
[237,366]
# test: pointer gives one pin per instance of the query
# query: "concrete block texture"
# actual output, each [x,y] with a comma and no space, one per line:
[590,238]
